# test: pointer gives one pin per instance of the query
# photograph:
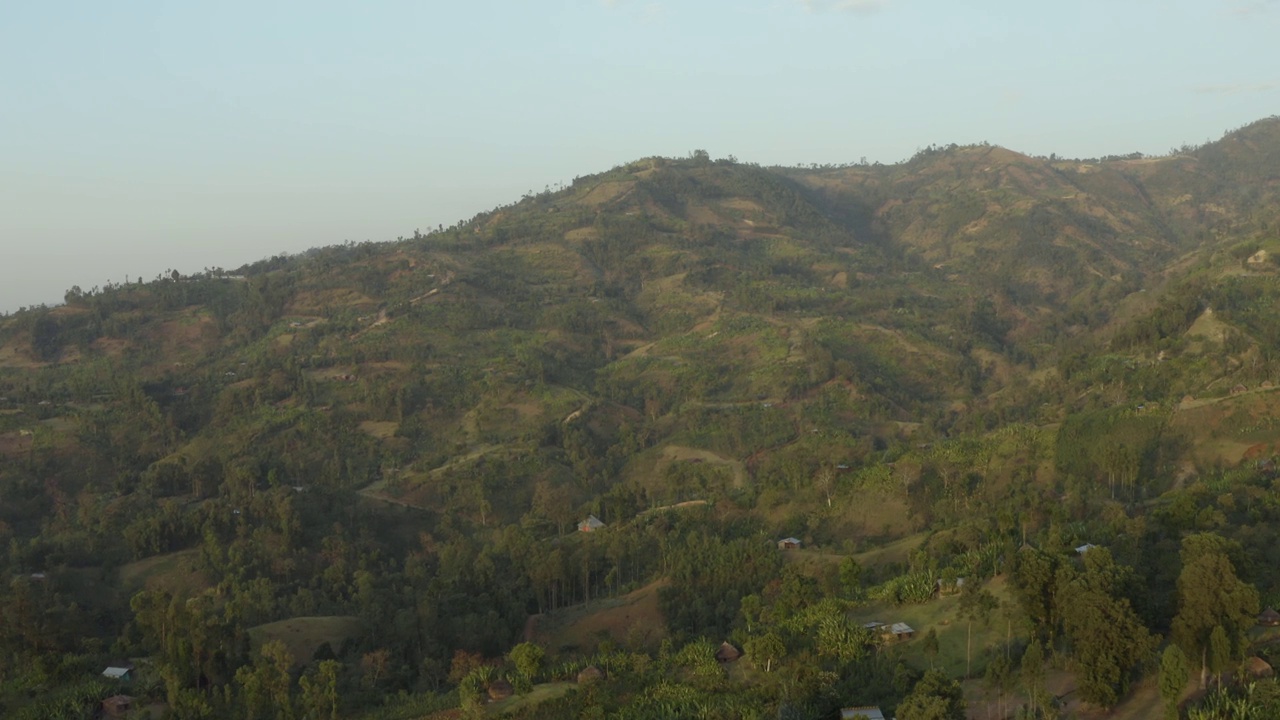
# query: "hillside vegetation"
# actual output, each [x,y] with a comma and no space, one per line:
[347,483]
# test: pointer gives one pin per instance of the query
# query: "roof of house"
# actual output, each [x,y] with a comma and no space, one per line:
[790,541]
[1085,548]
[499,689]
[873,625]
[592,522]
[727,652]
[901,628]
[1258,667]
[867,712]
[1269,615]
[115,672]
[590,673]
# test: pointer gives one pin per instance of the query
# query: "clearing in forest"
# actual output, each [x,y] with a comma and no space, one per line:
[304,635]
[942,615]
[539,694]
[173,572]
[680,453]
[631,618]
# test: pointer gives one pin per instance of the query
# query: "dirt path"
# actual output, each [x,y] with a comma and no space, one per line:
[531,627]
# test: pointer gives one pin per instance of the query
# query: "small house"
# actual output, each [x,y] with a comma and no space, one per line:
[901,631]
[1085,548]
[119,671]
[866,712]
[1269,618]
[727,653]
[945,587]
[789,544]
[117,706]
[590,674]
[873,626]
[500,690]
[1258,668]
[1239,389]
[591,524]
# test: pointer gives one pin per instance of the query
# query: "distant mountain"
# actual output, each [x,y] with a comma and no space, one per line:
[643,300]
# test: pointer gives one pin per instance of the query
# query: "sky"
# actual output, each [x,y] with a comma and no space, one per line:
[139,136]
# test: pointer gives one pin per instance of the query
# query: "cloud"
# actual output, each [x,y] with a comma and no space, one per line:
[857,7]
[1248,8]
[649,12]
[1233,88]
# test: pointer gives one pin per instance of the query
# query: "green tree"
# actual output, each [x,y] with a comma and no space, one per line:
[768,648]
[1220,654]
[1173,679]
[1107,638]
[999,678]
[850,577]
[935,697]
[930,646]
[1033,676]
[527,658]
[320,691]
[1210,595]
[1035,587]
[975,604]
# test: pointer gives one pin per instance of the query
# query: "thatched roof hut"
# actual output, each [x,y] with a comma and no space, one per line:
[500,690]
[1269,618]
[727,653]
[117,706]
[1257,667]
[590,674]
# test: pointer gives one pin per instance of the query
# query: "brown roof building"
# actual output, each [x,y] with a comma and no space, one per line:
[1258,667]
[500,690]
[117,706]
[727,653]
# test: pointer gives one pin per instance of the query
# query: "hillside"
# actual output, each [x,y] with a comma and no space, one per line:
[971,349]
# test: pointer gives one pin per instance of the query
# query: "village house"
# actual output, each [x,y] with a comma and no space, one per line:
[591,524]
[119,671]
[945,587]
[727,653]
[500,690]
[1085,548]
[866,712]
[1258,668]
[789,544]
[590,674]
[1269,618]
[901,631]
[117,706]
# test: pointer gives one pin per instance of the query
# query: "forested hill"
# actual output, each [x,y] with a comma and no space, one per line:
[914,369]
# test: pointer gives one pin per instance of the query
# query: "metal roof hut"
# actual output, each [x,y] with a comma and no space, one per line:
[727,653]
[119,670]
[866,712]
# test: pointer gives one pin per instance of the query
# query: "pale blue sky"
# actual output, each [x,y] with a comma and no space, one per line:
[137,136]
